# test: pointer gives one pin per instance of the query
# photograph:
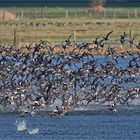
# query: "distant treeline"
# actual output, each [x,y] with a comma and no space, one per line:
[44,3]
[122,3]
[66,3]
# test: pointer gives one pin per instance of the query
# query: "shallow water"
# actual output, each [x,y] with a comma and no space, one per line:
[97,125]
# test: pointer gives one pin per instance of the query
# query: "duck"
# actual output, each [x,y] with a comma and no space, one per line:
[59,111]
[112,107]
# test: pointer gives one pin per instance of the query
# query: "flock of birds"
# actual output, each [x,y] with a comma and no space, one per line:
[34,77]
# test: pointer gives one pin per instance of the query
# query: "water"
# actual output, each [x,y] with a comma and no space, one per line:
[21,126]
[94,123]
[97,125]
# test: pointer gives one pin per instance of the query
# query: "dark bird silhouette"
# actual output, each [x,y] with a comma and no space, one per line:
[106,37]
[138,45]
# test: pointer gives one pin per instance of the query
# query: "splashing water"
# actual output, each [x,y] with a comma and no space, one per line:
[22,126]
[33,131]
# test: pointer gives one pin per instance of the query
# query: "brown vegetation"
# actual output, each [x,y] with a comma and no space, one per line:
[6,15]
[97,9]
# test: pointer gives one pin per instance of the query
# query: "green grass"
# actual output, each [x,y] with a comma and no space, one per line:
[58,12]
[54,26]
[86,29]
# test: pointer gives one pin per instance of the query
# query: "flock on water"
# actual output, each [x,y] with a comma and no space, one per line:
[34,77]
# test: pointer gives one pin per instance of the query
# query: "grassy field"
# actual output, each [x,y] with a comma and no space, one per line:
[31,29]
[70,12]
